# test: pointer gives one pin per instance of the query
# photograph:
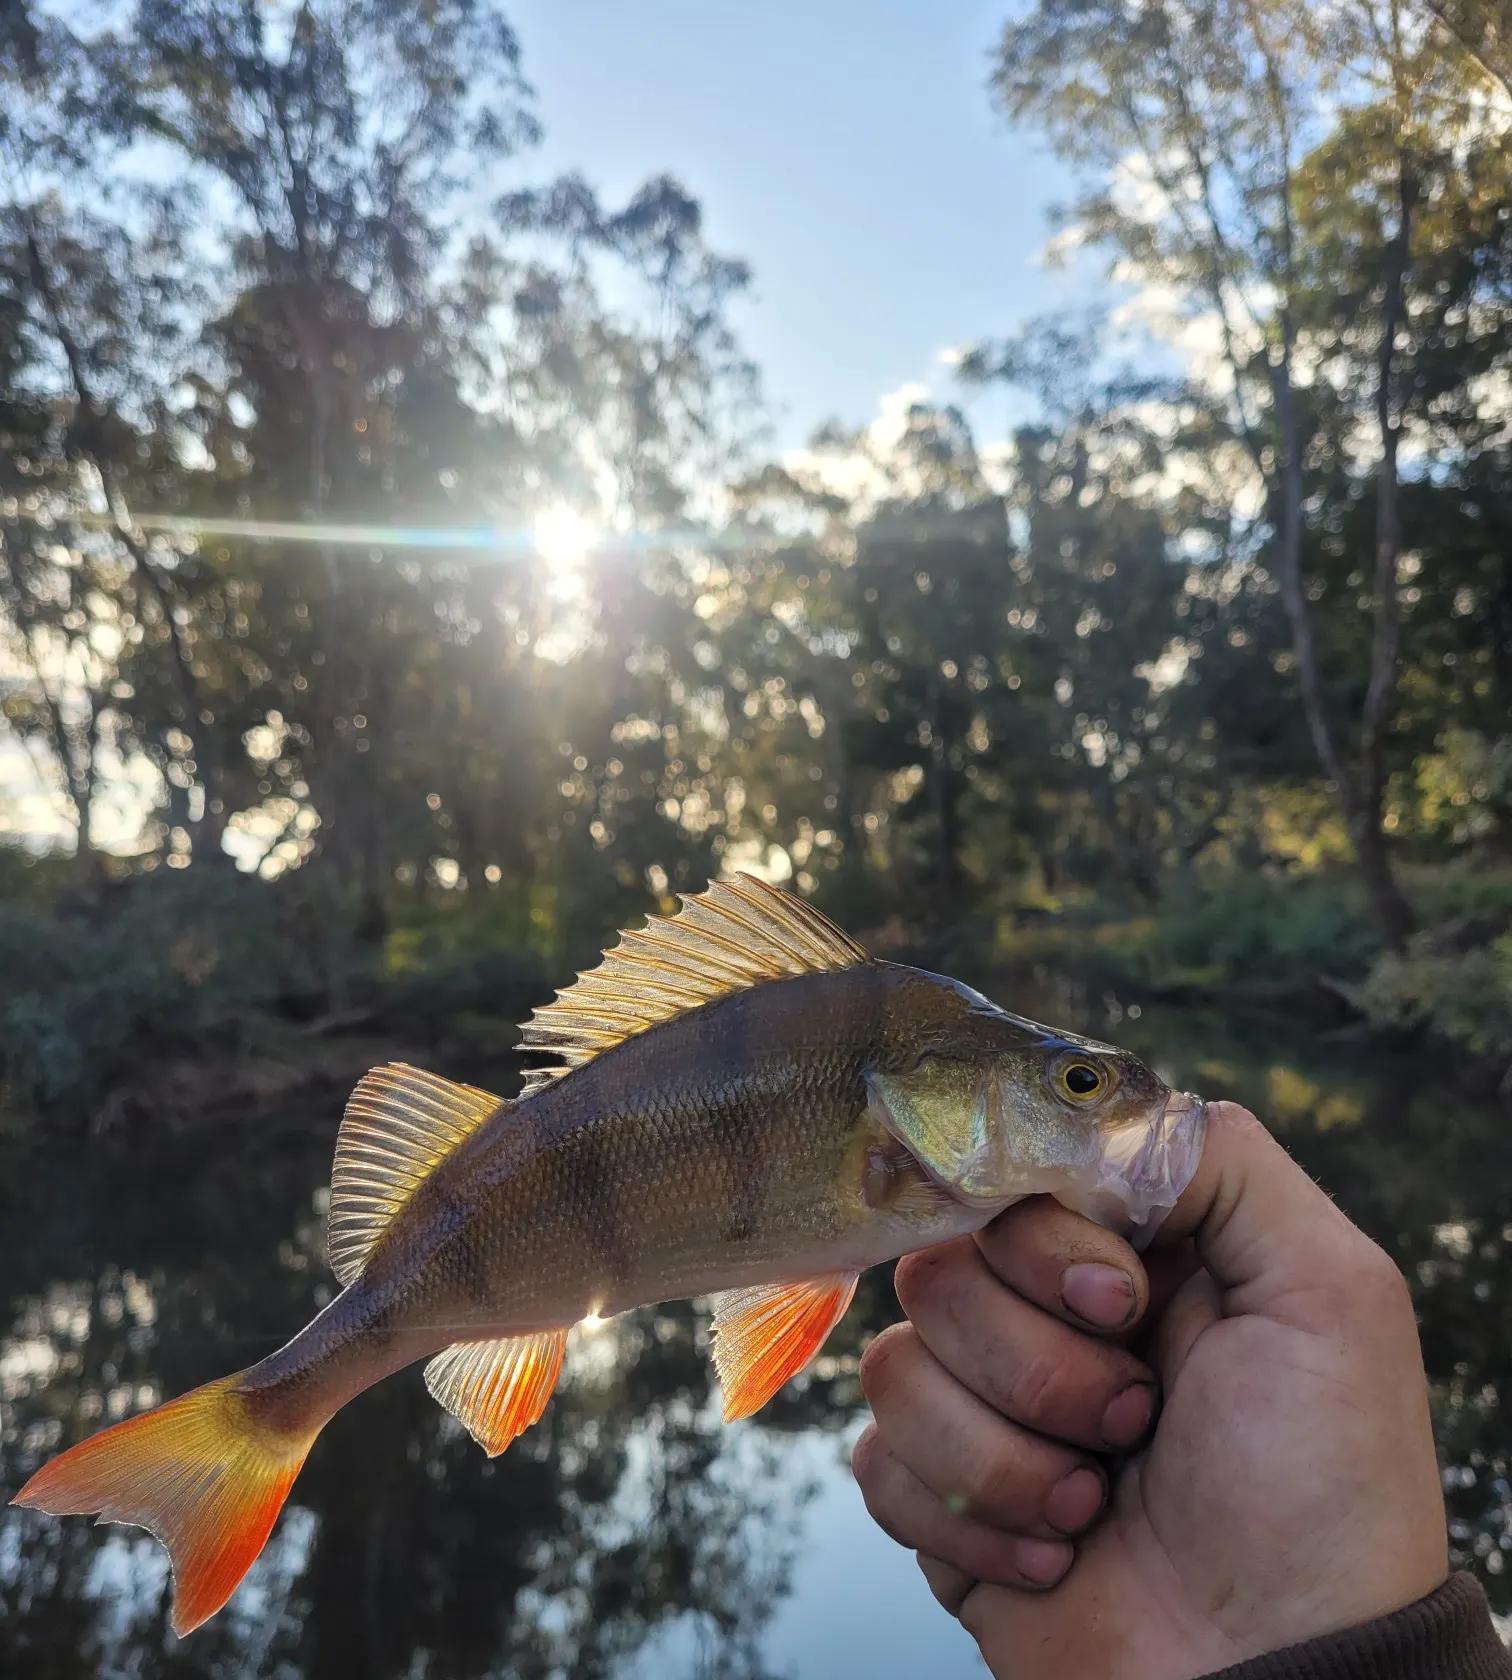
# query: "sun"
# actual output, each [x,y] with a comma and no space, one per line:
[563,536]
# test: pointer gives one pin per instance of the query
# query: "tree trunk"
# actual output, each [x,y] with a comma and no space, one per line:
[1362,815]
[939,804]
[1294,590]
[1392,910]
[89,430]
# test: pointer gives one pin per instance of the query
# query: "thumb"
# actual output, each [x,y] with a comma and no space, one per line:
[1265,1233]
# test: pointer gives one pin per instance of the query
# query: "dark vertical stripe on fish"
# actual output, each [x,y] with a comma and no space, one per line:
[596,1187]
[745,1169]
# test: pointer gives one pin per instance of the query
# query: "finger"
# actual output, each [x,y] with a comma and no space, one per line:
[1272,1241]
[1169,1271]
[1022,1362]
[916,1517]
[974,1459]
[1195,1308]
[949,1584]
[1064,1263]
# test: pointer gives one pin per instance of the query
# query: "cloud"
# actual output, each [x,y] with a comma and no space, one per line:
[862,470]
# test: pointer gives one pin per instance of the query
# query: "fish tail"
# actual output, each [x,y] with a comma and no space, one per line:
[201,1473]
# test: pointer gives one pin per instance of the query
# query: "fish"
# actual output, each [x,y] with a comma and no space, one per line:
[741,1104]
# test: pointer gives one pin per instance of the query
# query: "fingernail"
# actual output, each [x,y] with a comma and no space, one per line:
[1128,1415]
[1074,1501]
[1043,1562]
[1102,1296]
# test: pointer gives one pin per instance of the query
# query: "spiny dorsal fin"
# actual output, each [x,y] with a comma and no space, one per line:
[497,1389]
[734,935]
[399,1122]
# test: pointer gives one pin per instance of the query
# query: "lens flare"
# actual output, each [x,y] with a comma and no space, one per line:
[559,535]
[563,536]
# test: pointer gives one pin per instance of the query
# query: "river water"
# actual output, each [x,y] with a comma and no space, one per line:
[629,1534]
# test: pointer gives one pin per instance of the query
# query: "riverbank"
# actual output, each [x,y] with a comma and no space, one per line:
[174,999]
[1302,949]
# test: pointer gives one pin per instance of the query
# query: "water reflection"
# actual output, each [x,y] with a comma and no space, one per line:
[629,1531]
[405,1551]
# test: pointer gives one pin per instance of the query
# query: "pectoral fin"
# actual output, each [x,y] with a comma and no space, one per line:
[766,1334]
[497,1389]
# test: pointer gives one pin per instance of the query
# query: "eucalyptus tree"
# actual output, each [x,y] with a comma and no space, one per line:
[344,133]
[659,384]
[400,345]
[97,291]
[1199,123]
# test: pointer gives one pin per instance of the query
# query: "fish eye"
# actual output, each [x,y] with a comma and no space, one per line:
[1081,1081]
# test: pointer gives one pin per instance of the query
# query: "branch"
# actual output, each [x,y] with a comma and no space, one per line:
[1473,49]
[90,428]
[1219,267]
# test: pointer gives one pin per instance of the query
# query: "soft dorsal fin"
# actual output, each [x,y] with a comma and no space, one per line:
[399,1122]
[733,935]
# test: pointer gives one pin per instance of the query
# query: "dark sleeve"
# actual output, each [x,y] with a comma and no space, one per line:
[1446,1636]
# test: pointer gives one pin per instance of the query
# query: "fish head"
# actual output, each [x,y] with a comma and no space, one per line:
[995,1107]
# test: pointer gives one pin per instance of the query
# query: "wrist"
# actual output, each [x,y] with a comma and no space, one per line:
[1449,1635]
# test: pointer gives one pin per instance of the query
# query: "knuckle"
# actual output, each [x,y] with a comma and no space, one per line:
[919,1278]
[868,1457]
[1035,1387]
[892,1515]
[975,1611]
[1376,1284]
[881,1358]
[948,1584]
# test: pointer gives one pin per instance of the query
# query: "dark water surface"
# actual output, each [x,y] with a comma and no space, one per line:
[630,1533]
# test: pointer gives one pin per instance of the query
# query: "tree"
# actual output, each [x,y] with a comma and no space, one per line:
[1201,119]
[95,294]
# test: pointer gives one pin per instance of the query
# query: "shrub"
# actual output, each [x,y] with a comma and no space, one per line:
[1254,928]
[93,982]
[1464,996]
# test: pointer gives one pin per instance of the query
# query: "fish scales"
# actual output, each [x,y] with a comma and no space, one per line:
[748,1107]
[717,1144]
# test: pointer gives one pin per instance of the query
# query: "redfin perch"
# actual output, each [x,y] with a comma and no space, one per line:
[744,1105]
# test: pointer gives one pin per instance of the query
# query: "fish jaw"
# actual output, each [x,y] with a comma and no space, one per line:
[1129,1187]
[1141,1172]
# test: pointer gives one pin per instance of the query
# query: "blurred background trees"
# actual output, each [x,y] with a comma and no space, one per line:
[398,594]
[394,531]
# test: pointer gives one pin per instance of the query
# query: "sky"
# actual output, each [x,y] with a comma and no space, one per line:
[847,149]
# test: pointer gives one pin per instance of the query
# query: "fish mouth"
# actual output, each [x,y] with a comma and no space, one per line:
[1166,1163]
[1143,1170]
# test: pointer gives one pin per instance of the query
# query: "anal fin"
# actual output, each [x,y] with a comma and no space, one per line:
[497,1389]
[766,1334]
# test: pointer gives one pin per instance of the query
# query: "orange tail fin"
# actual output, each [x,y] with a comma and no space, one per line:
[199,1473]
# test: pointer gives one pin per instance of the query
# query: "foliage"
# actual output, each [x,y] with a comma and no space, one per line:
[439,965]
[1241,930]
[282,450]
[104,983]
[1464,996]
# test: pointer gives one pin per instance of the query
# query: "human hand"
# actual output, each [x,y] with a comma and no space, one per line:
[1290,1488]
